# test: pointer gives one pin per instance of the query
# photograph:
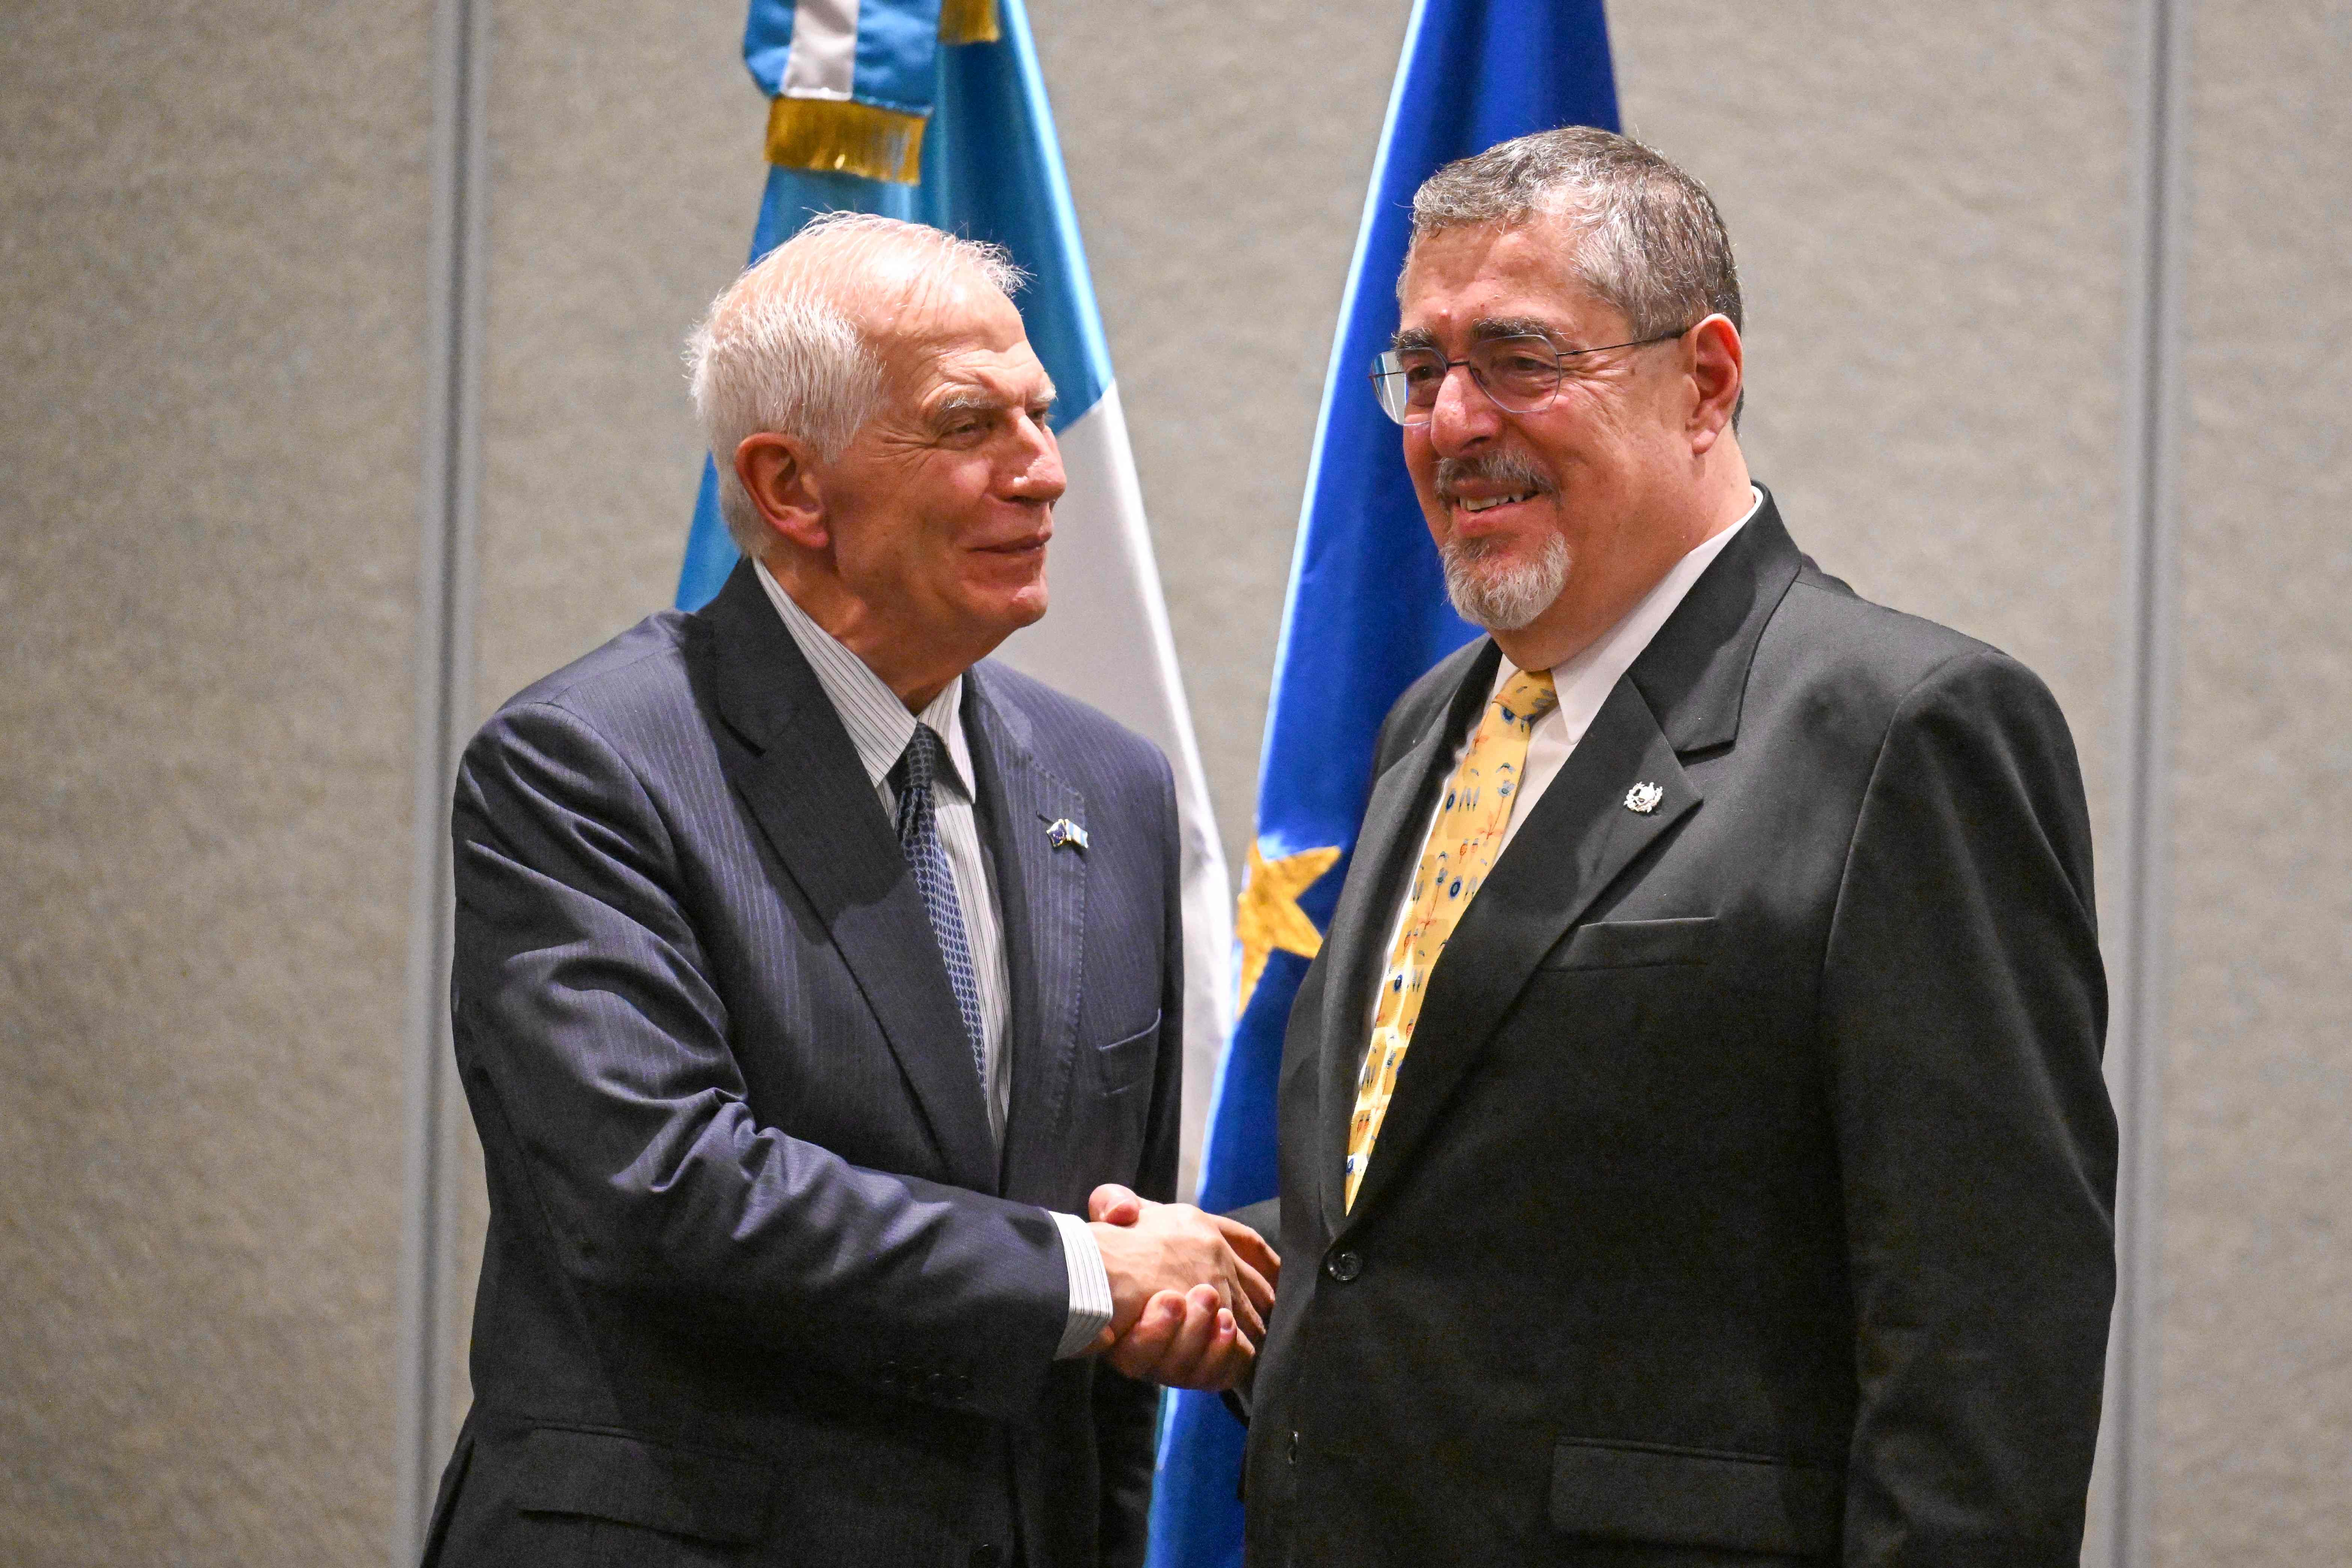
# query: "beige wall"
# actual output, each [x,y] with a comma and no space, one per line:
[2254,1397]
[1936,298]
[212,269]
[210,404]
[627,171]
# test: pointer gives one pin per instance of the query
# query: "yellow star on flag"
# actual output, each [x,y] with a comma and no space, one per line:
[1269,916]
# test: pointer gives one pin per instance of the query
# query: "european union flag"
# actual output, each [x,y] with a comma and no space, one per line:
[1366,614]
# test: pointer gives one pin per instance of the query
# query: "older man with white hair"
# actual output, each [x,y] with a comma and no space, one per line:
[810,975]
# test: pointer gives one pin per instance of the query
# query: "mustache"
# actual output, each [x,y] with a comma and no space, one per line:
[1498,467]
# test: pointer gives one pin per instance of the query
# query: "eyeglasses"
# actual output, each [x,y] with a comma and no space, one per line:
[1520,375]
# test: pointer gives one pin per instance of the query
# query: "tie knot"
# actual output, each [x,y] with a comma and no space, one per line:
[919,764]
[1526,696]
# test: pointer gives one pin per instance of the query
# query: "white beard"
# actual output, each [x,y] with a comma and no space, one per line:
[1500,595]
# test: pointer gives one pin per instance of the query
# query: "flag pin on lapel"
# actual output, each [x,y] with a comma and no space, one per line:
[1066,832]
[1643,798]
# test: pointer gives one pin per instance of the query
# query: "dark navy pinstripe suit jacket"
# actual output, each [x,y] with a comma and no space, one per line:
[759,1285]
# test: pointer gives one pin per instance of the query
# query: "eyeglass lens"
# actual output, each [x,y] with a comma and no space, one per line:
[1521,373]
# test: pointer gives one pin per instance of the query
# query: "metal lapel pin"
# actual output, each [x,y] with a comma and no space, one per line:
[1064,831]
[1643,798]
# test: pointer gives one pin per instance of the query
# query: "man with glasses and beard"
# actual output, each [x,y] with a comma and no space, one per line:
[1694,1148]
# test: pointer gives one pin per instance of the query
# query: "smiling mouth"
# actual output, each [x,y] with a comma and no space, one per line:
[1469,486]
[1488,503]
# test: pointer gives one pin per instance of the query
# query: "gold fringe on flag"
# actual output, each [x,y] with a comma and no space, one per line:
[969,22]
[846,137]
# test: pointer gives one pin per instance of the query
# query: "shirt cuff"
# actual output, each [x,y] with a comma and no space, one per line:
[1089,1286]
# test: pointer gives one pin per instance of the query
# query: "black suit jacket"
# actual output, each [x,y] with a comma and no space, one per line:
[759,1286]
[1746,1195]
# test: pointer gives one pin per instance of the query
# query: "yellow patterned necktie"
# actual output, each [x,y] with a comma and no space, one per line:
[1461,850]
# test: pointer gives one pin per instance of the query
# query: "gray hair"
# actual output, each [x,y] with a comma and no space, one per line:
[1648,240]
[777,351]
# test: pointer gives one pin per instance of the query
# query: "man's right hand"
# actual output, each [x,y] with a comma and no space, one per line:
[1205,1283]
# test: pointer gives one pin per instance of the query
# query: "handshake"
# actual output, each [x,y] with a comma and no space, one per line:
[1190,1291]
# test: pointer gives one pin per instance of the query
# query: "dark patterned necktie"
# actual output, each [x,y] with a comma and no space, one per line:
[918,834]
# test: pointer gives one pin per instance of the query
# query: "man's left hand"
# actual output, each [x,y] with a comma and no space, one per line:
[1188,1338]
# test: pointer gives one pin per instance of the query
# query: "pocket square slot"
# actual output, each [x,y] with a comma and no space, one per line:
[1126,1063]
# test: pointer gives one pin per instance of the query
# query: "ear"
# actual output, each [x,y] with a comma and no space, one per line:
[780,475]
[1718,371]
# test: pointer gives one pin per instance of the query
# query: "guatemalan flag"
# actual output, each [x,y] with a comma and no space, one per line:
[936,112]
[1367,614]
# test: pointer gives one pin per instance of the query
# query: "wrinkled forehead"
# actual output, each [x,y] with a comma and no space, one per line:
[1486,280]
[948,337]
[919,313]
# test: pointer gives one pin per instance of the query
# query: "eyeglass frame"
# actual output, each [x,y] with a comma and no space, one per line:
[1560,374]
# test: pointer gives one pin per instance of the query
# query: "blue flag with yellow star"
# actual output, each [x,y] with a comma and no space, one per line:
[1366,614]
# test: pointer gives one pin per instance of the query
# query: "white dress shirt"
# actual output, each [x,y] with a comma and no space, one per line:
[880,728]
[1583,681]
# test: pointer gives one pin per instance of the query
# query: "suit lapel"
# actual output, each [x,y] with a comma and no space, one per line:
[1578,838]
[784,750]
[1694,674]
[1396,819]
[1041,892]
[1682,695]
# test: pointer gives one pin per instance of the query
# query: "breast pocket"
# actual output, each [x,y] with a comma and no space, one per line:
[1124,1066]
[1636,944]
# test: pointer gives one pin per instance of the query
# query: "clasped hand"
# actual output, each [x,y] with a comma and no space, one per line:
[1190,1291]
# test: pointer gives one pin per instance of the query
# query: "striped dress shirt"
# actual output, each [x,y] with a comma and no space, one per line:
[880,728]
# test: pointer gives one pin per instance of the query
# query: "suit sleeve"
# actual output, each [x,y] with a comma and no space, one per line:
[1963,1007]
[596,1052]
[1127,1411]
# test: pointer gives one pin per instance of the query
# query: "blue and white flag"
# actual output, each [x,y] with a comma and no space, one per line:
[867,95]
[1367,614]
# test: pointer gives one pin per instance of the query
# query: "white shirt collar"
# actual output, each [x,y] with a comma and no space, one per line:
[880,725]
[1584,679]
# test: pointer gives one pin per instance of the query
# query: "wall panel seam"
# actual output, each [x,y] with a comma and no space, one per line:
[2151,629]
[447,571]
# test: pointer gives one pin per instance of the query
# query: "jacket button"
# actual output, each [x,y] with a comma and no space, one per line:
[1294,1449]
[1344,1267]
[984,1555]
